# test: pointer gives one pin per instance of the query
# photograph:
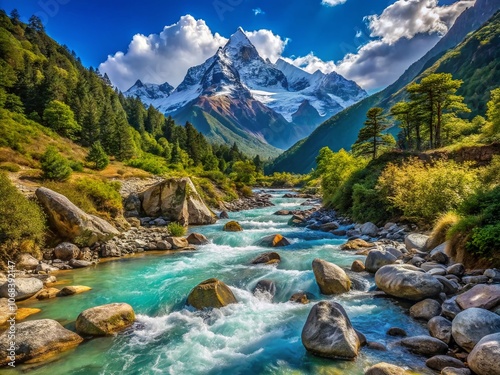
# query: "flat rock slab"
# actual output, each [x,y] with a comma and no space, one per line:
[483,296]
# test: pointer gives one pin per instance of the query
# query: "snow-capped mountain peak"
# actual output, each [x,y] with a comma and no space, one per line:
[150,91]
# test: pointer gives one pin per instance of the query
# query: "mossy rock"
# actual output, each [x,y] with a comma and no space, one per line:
[273,240]
[105,320]
[232,226]
[211,293]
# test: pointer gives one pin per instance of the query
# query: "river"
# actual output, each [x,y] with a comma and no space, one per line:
[255,336]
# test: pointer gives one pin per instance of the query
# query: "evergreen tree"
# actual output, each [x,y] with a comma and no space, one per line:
[54,165]
[371,137]
[98,156]
[493,113]
[176,154]
[60,117]
[259,165]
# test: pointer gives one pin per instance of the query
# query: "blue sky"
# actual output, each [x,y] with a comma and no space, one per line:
[354,37]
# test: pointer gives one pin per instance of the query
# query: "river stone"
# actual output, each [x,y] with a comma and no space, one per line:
[424,345]
[492,274]
[265,286]
[426,309]
[376,346]
[440,328]
[75,263]
[482,296]
[456,269]
[300,297]
[71,222]
[105,320]
[369,229]
[455,371]
[73,289]
[25,287]
[406,281]
[439,362]
[232,226]
[66,251]
[211,293]
[415,241]
[480,279]
[439,257]
[484,359]
[163,245]
[273,240]
[223,215]
[383,368]
[177,200]
[428,266]
[109,250]
[450,308]
[177,242]
[396,331]
[471,325]
[356,244]
[449,286]
[331,278]
[48,293]
[197,239]
[328,332]
[357,266]
[327,227]
[376,259]
[267,258]
[26,261]
[38,340]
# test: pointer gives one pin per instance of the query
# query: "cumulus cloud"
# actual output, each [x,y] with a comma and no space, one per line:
[258,11]
[311,63]
[269,45]
[332,3]
[163,57]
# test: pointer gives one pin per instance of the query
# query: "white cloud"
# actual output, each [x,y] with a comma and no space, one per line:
[163,57]
[332,3]
[258,11]
[269,45]
[311,63]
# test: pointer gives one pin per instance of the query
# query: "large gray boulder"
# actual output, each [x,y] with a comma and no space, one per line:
[72,223]
[26,261]
[484,359]
[424,345]
[37,340]
[66,251]
[408,282]
[426,309]
[23,287]
[471,325]
[376,259]
[369,229]
[331,278]
[416,241]
[328,332]
[178,200]
[440,328]
[105,320]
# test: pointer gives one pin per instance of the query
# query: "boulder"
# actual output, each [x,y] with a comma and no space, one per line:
[405,281]
[439,362]
[109,250]
[73,289]
[450,308]
[479,279]
[455,371]
[456,269]
[482,296]
[265,286]
[23,287]
[424,345]
[328,332]
[327,227]
[177,242]
[383,368]
[396,331]
[357,266]
[376,259]
[223,215]
[26,261]
[471,325]
[449,286]
[492,273]
[300,297]
[484,359]
[273,240]
[356,244]
[48,293]
[75,263]
[105,320]
[177,200]
[426,309]
[197,239]
[267,258]
[66,251]
[71,222]
[211,293]
[331,278]
[232,226]
[163,245]
[440,328]
[38,340]
[415,241]
[23,312]
[369,229]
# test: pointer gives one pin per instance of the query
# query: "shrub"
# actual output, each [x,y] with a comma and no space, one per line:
[97,156]
[54,165]
[441,228]
[76,166]
[422,191]
[150,163]
[22,222]
[105,195]
[176,229]
[368,204]
[10,167]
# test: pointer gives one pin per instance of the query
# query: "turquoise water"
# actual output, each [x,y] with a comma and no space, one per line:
[255,336]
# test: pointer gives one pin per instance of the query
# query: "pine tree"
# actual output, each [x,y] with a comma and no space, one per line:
[60,117]
[98,156]
[371,137]
[54,165]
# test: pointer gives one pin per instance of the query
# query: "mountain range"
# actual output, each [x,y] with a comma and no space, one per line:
[471,56]
[237,96]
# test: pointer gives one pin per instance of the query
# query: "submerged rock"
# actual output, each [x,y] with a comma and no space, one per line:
[267,258]
[300,297]
[265,286]
[232,226]
[328,332]
[105,320]
[211,293]
[331,278]
[273,240]
[38,340]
